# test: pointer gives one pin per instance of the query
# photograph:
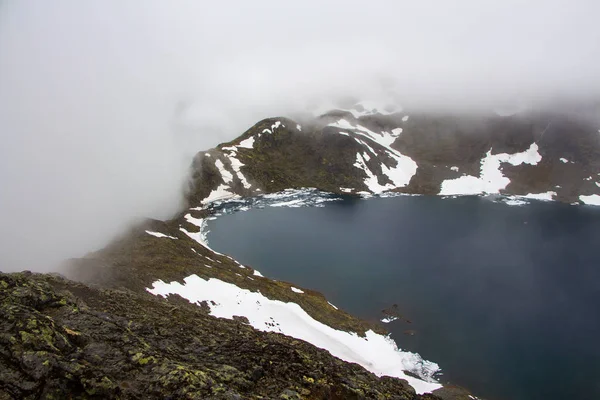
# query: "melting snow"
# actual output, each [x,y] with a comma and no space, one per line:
[256,273]
[387,320]
[160,235]
[515,201]
[547,196]
[519,200]
[227,177]
[247,143]
[405,118]
[296,290]
[397,131]
[593,199]
[236,165]
[289,198]
[366,145]
[400,175]
[564,160]
[200,236]
[298,127]
[289,203]
[454,169]
[220,193]
[377,353]
[491,179]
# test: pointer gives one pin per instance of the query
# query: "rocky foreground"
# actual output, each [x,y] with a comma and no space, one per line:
[60,339]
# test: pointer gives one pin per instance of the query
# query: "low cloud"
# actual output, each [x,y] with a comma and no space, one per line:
[103,103]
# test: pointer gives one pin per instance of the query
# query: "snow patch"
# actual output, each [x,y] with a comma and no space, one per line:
[256,273]
[299,127]
[405,118]
[377,353]
[296,290]
[387,320]
[227,176]
[547,196]
[491,179]
[220,193]
[455,169]
[397,131]
[237,165]
[593,199]
[247,143]
[160,235]
[400,175]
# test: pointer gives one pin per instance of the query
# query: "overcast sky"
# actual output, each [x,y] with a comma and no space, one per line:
[103,103]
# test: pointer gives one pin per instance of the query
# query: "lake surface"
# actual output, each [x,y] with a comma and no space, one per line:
[506,299]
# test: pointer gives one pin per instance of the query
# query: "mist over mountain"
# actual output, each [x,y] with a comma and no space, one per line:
[103,104]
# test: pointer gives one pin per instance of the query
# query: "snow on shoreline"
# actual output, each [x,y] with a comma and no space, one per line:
[376,353]
[592,200]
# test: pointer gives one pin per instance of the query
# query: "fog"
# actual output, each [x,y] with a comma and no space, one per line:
[103,103]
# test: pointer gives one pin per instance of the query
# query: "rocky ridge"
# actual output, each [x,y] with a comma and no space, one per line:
[536,155]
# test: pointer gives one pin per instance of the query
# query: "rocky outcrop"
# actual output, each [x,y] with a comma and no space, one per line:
[61,339]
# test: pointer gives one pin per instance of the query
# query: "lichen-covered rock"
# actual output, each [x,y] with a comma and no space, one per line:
[62,339]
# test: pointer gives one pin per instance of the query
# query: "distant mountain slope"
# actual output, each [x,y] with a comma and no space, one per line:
[544,155]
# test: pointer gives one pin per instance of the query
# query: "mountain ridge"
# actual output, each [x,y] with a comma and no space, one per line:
[337,152]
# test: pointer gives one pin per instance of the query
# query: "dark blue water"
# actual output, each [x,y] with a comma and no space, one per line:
[505,299]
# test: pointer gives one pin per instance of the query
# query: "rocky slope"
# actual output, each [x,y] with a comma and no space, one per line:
[543,155]
[60,339]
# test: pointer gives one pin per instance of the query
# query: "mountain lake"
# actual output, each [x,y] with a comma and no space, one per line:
[504,298]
